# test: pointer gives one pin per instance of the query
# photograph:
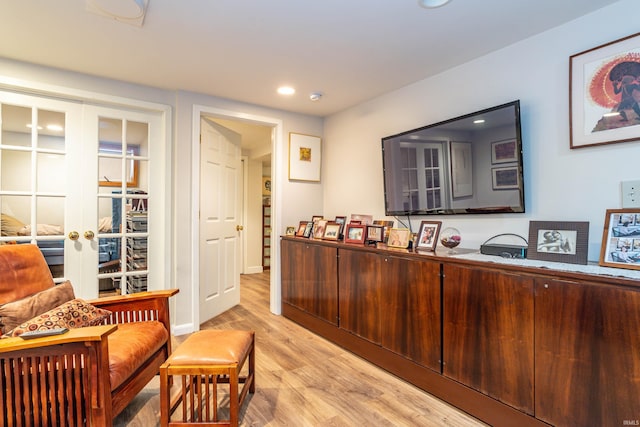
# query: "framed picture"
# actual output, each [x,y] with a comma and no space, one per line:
[621,239]
[304,157]
[428,235]
[332,231]
[604,92]
[308,229]
[505,178]
[355,233]
[316,218]
[399,238]
[301,229]
[364,219]
[388,225]
[342,220]
[375,233]
[318,228]
[558,241]
[290,231]
[461,169]
[504,151]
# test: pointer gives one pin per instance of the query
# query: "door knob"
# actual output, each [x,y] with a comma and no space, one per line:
[89,235]
[74,235]
[239,228]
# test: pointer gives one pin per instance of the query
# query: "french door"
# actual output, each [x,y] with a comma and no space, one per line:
[76,180]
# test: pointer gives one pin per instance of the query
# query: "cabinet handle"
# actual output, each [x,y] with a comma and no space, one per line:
[546,286]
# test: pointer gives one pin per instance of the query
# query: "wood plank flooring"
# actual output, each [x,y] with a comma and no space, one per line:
[304,380]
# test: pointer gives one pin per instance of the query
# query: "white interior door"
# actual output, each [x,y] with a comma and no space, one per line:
[220,227]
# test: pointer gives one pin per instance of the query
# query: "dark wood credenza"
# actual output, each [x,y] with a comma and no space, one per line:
[508,344]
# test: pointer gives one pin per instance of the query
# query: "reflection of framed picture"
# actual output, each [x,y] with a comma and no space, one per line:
[375,233]
[505,178]
[355,233]
[621,239]
[428,235]
[604,89]
[110,168]
[504,151]
[332,231]
[302,228]
[399,238]
[558,241]
[304,157]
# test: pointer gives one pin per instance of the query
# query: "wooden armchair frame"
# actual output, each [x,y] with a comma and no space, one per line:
[64,380]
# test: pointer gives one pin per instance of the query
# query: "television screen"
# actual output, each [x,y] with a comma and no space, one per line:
[466,165]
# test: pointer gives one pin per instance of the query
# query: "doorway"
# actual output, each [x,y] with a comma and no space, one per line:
[240,120]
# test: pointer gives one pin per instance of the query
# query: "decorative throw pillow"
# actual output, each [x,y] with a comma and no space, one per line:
[10,225]
[16,312]
[76,313]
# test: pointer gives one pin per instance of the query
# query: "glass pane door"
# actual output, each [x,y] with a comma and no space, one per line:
[36,165]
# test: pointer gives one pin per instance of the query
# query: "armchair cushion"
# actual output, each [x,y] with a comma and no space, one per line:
[131,346]
[14,313]
[76,313]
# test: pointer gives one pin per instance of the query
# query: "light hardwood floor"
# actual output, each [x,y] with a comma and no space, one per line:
[304,380]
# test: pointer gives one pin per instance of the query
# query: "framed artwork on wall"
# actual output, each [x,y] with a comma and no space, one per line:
[558,241]
[304,157]
[621,239]
[604,90]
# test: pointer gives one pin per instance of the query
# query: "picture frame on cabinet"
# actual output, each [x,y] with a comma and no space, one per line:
[375,233]
[355,233]
[302,227]
[308,229]
[364,219]
[558,241]
[290,231]
[332,231]
[387,224]
[342,220]
[621,239]
[602,82]
[316,218]
[399,238]
[318,228]
[428,235]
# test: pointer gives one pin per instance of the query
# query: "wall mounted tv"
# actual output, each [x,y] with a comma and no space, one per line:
[467,165]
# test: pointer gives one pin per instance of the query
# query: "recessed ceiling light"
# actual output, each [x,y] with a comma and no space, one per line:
[432,4]
[286,90]
[479,121]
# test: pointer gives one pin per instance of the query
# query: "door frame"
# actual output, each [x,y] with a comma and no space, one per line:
[276,180]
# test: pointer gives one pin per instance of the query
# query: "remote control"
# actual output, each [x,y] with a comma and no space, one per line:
[37,334]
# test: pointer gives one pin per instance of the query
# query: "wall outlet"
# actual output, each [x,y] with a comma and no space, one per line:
[631,194]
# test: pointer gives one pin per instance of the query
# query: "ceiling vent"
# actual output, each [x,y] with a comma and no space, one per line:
[128,11]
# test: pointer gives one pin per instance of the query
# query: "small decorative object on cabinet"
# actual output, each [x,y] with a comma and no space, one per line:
[450,238]
[266,237]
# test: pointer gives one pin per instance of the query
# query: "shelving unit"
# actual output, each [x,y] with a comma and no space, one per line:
[266,237]
[136,251]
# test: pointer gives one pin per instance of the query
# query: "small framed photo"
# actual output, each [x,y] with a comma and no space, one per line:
[316,218]
[318,228]
[621,239]
[375,233]
[505,178]
[290,231]
[356,233]
[342,220]
[302,228]
[558,241]
[388,225]
[428,235]
[332,231]
[399,238]
[364,219]
[504,151]
[308,229]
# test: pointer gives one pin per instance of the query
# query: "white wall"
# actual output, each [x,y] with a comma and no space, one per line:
[561,184]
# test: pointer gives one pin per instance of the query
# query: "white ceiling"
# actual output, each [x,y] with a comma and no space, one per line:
[350,50]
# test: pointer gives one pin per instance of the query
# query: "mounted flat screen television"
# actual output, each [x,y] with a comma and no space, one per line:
[467,165]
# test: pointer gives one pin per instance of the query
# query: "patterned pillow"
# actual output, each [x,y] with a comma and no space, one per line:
[76,313]
[14,313]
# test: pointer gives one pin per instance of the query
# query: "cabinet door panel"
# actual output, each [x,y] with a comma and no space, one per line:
[359,274]
[587,359]
[488,333]
[411,323]
[309,279]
